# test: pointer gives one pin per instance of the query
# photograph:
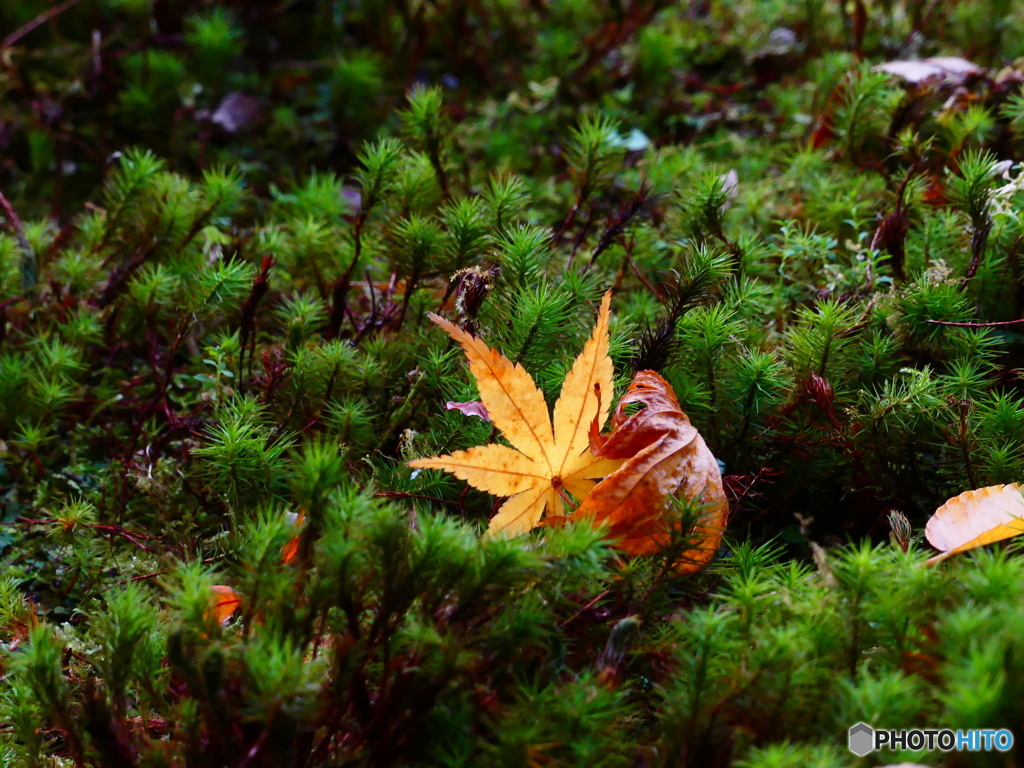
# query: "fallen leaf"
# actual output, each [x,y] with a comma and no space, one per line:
[354,197]
[635,141]
[237,112]
[476,408]
[730,186]
[547,462]
[975,518]
[225,603]
[781,42]
[955,65]
[663,456]
[918,70]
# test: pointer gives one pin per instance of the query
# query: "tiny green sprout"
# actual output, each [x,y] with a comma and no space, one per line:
[75,518]
[30,437]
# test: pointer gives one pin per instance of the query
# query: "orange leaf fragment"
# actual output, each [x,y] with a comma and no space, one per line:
[549,459]
[663,455]
[225,602]
[975,518]
[291,549]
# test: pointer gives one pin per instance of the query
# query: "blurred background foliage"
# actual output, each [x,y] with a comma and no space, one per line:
[276,87]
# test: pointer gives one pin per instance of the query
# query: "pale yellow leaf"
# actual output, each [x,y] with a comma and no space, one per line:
[975,518]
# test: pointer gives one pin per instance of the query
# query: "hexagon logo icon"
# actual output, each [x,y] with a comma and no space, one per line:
[861,739]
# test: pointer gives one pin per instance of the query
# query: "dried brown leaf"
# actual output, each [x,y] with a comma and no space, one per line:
[663,455]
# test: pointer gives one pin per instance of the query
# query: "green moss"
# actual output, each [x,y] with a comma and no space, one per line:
[222,231]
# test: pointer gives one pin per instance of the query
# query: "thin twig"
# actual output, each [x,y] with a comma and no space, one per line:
[403,495]
[616,227]
[37,22]
[992,324]
[154,574]
[643,280]
[585,608]
[114,530]
[12,217]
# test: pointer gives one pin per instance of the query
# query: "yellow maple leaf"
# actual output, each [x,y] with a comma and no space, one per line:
[546,462]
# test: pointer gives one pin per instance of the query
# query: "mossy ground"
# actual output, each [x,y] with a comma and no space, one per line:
[222,227]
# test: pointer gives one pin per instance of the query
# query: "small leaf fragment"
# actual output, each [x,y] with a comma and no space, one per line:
[475,408]
[225,602]
[291,549]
